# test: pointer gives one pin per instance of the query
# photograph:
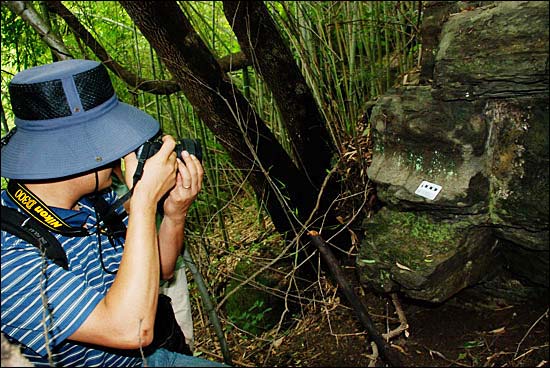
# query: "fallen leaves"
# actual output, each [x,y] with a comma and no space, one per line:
[403,267]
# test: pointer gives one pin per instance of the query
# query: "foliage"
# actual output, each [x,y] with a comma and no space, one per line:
[21,48]
[350,52]
[21,45]
[421,227]
[252,319]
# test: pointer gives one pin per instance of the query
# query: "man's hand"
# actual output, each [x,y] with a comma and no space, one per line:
[188,185]
[159,171]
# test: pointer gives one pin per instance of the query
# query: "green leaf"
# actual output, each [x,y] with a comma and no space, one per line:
[368,261]
[473,344]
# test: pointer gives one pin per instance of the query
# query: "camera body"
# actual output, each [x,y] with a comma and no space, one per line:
[153,145]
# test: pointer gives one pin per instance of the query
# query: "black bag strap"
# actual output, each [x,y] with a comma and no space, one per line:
[108,217]
[31,231]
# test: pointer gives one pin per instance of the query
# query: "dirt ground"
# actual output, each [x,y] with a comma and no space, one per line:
[456,333]
[447,335]
[465,331]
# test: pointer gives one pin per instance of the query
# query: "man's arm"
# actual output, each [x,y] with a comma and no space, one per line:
[176,206]
[171,232]
[125,317]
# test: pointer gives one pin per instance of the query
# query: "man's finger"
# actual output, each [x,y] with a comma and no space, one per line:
[168,145]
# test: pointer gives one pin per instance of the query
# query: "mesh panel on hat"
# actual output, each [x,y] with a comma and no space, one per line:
[94,87]
[39,101]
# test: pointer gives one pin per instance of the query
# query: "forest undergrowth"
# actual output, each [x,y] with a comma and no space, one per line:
[319,328]
[466,331]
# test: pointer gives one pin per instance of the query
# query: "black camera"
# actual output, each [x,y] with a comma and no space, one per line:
[153,145]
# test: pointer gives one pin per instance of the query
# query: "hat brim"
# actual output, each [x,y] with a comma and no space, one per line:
[77,148]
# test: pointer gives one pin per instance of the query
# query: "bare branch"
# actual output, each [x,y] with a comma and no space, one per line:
[158,87]
[232,62]
[25,10]
[390,356]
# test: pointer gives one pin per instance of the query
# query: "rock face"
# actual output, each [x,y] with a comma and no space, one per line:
[480,130]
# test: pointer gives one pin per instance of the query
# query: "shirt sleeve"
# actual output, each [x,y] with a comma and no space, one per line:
[33,301]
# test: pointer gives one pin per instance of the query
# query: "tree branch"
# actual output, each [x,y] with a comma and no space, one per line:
[158,87]
[25,10]
[234,62]
[361,311]
[252,146]
[153,86]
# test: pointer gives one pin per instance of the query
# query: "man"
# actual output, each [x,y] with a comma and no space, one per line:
[71,131]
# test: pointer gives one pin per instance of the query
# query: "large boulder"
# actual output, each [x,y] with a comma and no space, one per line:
[480,131]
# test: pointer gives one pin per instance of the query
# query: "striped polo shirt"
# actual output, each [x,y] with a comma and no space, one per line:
[70,295]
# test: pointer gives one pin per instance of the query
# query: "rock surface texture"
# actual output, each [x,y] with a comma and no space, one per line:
[477,125]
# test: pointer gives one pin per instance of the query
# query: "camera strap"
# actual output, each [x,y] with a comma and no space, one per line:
[31,231]
[41,212]
[142,154]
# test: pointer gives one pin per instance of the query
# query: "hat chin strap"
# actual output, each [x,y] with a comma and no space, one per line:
[108,214]
[96,190]
[98,208]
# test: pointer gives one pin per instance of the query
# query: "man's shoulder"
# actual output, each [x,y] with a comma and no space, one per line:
[6,201]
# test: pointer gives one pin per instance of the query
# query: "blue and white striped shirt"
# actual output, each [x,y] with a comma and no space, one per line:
[70,295]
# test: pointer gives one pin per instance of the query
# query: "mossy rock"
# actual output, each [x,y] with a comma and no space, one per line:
[424,258]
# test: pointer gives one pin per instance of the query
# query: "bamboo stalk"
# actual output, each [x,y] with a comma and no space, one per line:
[208,305]
[157,100]
[386,46]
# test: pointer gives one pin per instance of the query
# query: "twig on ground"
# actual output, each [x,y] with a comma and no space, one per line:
[402,318]
[374,356]
[432,352]
[398,347]
[530,329]
[219,357]
[531,349]
[496,355]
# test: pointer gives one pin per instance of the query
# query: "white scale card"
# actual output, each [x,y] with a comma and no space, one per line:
[428,190]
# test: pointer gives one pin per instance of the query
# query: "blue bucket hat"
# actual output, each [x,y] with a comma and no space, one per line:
[68,121]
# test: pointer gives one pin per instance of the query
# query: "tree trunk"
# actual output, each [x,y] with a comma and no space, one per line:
[262,43]
[251,145]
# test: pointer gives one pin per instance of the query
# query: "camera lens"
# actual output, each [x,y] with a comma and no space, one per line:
[190,145]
